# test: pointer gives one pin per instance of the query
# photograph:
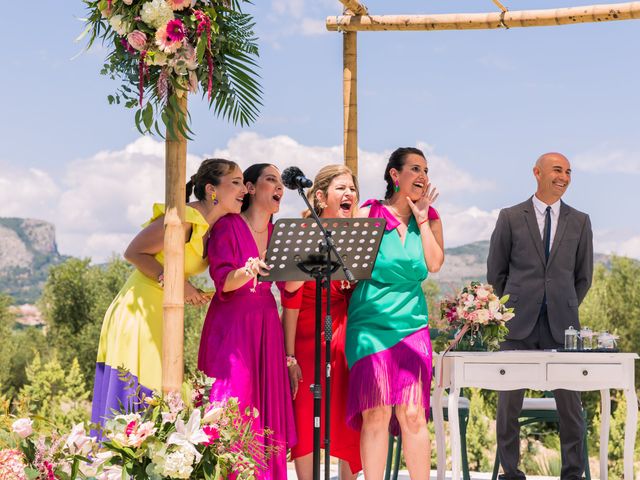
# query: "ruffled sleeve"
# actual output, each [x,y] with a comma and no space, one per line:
[199,226]
[158,211]
[433,214]
[223,253]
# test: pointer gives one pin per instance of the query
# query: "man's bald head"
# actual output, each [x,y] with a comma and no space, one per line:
[553,174]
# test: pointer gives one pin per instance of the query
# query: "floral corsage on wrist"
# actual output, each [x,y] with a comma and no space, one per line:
[251,270]
[291,361]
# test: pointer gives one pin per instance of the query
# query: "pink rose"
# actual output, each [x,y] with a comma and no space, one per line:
[22,427]
[127,2]
[137,40]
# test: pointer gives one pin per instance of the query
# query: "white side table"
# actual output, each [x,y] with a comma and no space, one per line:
[536,370]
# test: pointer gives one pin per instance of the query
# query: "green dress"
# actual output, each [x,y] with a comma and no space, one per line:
[388,347]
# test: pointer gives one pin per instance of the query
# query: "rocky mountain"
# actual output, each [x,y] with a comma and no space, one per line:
[27,250]
[469,262]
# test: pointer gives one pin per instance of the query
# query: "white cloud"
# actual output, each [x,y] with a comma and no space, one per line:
[605,160]
[617,242]
[99,203]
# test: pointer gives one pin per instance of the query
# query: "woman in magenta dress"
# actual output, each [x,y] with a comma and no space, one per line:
[334,195]
[242,344]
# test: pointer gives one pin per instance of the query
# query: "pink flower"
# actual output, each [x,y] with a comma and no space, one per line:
[12,465]
[137,40]
[165,42]
[78,441]
[176,30]
[178,4]
[212,434]
[22,427]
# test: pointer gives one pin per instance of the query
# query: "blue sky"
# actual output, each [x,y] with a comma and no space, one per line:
[483,104]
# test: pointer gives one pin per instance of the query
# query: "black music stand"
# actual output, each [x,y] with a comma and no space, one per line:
[300,249]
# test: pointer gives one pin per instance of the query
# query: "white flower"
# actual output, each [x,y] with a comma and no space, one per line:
[189,435]
[178,464]
[156,13]
[212,414]
[121,27]
[482,316]
[78,442]
[22,427]
[112,472]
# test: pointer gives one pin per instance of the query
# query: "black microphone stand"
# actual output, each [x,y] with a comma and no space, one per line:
[320,267]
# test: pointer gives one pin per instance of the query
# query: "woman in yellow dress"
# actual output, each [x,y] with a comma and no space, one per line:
[131,336]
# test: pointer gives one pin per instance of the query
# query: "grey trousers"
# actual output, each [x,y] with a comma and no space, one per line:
[569,409]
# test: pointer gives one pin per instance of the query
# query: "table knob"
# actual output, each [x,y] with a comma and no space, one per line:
[585,372]
[502,372]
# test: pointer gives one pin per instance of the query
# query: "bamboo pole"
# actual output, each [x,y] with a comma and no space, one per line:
[350,99]
[478,21]
[355,7]
[173,306]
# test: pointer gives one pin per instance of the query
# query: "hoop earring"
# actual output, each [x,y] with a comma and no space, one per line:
[396,186]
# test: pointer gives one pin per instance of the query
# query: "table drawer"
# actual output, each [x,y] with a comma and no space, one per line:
[585,374]
[501,373]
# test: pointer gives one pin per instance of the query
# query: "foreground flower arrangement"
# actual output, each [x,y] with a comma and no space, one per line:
[477,317]
[162,49]
[168,439]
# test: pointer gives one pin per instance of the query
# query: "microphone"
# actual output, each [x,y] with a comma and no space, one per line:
[294,179]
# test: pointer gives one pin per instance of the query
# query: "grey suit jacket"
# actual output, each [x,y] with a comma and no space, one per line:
[516,266]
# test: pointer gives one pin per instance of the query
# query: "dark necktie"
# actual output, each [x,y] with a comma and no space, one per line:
[546,239]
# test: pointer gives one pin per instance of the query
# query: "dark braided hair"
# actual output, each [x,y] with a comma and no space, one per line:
[252,174]
[397,161]
[210,172]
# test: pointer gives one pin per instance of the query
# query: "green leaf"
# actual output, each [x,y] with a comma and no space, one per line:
[504,299]
[200,48]
[147,116]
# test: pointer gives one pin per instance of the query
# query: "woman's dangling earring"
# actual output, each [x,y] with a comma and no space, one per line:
[322,206]
[214,199]
[396,186]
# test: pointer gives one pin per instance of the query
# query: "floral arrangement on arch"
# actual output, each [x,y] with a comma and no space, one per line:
[476,317]
[169,439]
[162,49]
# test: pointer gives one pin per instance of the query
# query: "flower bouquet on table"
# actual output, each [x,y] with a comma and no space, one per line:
[476,318]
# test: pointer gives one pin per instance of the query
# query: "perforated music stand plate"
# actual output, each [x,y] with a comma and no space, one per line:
[296,240]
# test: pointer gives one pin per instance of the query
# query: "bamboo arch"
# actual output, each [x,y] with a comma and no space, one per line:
[356,18]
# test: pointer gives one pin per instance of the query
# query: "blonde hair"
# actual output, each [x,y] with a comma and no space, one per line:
[323,179]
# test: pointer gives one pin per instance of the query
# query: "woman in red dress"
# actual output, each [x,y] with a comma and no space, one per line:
[334,195]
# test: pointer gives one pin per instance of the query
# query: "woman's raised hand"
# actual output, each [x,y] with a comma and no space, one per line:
[420,208]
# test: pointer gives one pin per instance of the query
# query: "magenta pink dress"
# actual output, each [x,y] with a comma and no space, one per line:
[242,344]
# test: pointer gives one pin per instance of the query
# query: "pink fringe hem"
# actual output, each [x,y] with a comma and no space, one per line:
[400,375]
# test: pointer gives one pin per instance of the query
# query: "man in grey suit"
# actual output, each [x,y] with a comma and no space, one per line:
[541,254]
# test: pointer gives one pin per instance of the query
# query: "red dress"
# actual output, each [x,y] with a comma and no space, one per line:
[345,442]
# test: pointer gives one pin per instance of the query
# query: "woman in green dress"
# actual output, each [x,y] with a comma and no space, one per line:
[388,346]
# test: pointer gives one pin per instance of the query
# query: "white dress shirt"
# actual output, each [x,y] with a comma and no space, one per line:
[541,211]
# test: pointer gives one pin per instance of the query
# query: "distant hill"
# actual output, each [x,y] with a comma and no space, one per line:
[27,250]
[469,262]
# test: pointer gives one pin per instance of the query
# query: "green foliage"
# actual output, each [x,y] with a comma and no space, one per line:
[224,53]
[613,303]
[54,393]
[75,299]
[480,442]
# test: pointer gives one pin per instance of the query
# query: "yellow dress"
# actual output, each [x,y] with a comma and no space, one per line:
[131,335]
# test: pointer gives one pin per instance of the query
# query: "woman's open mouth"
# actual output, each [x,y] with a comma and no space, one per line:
[277,197]
[346,206]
